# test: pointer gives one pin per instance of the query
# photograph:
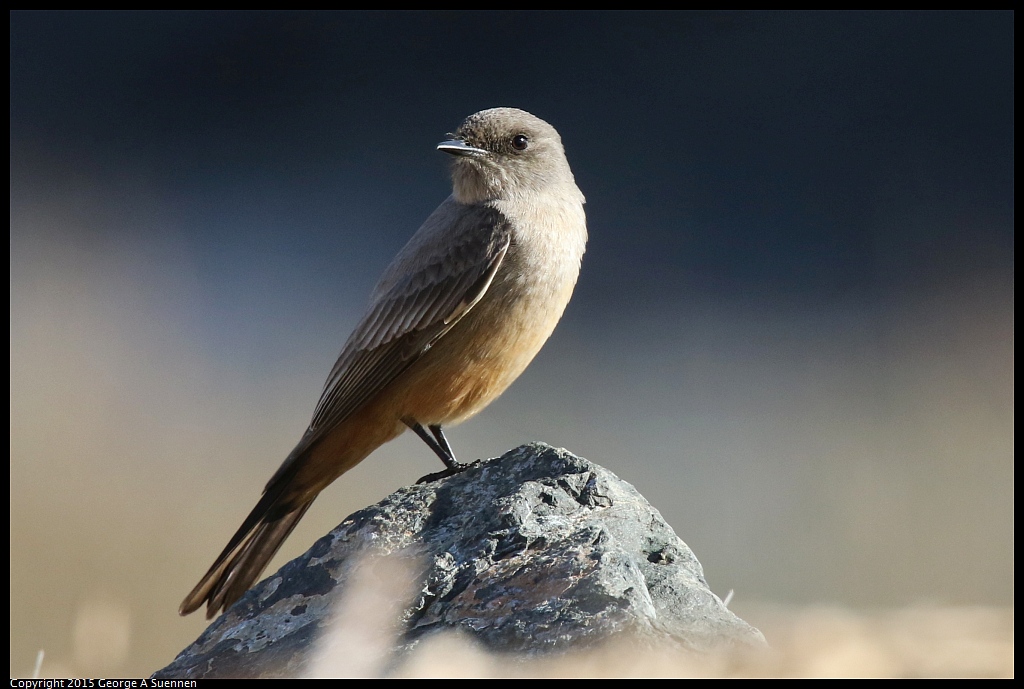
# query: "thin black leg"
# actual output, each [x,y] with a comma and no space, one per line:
[439,444]
[441,440]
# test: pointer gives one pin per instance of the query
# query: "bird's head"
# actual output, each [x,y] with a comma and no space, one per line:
[502,153]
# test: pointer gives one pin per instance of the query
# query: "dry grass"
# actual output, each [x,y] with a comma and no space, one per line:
[806,642]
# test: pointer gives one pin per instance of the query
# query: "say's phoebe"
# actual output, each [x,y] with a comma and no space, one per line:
[456,317]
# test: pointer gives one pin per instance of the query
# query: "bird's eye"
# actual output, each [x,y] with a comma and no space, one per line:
[520,142]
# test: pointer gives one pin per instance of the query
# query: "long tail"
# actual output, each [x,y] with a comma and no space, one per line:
[246,555]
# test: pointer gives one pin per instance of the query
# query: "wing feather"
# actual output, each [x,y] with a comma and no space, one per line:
[412,309]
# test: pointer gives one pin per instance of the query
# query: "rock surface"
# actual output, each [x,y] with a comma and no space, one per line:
[531,552]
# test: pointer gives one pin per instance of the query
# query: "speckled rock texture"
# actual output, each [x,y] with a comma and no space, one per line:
[533,552]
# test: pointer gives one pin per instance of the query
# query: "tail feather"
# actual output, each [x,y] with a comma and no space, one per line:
[245,557]
[252,559]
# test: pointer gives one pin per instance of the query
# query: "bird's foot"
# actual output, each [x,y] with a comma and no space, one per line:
[458,468]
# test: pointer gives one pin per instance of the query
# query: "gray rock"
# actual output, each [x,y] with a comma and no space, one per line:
[532,552]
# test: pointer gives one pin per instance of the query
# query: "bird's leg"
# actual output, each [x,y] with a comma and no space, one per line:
[443,442]
[439,444]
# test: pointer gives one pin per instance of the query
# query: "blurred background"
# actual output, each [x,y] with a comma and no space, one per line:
[793,331]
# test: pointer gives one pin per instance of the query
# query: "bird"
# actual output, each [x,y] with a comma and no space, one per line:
[456,317]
